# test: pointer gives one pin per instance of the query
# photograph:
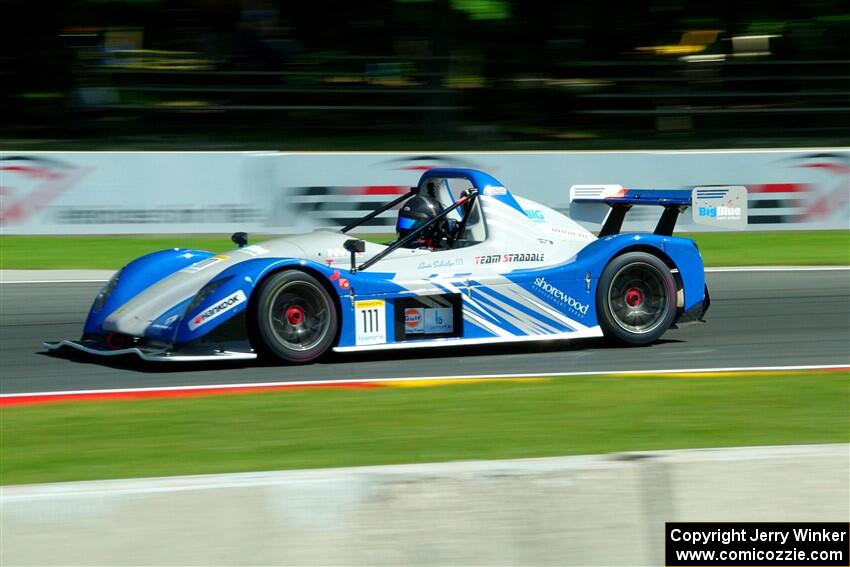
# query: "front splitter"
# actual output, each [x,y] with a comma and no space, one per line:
[154,355]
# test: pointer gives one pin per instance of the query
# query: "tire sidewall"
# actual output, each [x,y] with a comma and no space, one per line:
[263,336]
[610,328]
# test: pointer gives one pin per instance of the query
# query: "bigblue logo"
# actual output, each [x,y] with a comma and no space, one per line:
[535,215]
[720,212]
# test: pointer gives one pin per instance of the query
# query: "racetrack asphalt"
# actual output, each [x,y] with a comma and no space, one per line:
[757,318]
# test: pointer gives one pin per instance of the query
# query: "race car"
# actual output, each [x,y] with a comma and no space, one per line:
[471,264]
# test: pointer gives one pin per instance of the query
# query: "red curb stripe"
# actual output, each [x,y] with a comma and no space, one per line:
[189,391]
[26,400]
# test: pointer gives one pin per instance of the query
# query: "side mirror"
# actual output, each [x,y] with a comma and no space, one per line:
[354,246]
[240,239]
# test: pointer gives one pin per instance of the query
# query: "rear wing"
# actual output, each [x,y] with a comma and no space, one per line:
[720,206]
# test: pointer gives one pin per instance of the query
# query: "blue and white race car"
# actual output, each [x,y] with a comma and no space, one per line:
[472,264]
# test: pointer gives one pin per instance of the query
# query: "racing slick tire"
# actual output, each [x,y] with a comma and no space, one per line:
[294,318]
[636,299]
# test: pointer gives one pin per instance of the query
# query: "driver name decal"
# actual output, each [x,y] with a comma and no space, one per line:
[444,263]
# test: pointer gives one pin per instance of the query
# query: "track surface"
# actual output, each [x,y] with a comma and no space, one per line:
[756,319]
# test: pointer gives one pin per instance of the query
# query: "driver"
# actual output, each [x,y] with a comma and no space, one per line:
[414,213]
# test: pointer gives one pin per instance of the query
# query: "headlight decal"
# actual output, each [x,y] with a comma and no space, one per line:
[205,292]
[106,291]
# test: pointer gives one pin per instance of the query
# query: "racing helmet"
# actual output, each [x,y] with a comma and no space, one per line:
[415,212]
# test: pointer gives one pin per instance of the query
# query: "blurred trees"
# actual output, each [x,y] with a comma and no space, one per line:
[483,60]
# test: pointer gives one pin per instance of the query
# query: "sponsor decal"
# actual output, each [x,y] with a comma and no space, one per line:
[495,190]
[218,309]
[535,215]
[571,232]
[439,320]
[413,320]
[562,297]
[204,264]
[253,250]
[166,324]
[509,258]
[428,320]
[343,283]
[721,212]
[720,206]
[341,253]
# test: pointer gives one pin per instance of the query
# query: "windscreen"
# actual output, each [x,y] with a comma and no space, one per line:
[447,191]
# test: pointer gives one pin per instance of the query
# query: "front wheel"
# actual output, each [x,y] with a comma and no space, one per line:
[294,319]
[636,299]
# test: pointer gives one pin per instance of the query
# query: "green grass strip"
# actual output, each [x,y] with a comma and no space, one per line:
[803,248]
[106,252]
[331,428]
[112,252]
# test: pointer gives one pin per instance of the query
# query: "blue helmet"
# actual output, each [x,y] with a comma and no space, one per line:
[415,212]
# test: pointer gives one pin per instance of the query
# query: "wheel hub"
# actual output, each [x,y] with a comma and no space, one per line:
[634,297]
[295,315]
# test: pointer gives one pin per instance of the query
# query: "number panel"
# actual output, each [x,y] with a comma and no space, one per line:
[370,322]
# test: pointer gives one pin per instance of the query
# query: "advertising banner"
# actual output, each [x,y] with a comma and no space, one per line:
[132,192]
[786,190]
[275,192]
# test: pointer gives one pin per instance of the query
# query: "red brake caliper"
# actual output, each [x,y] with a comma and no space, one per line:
[634,297]
[295,315]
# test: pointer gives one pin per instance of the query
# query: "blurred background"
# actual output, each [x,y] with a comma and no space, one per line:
[423,74]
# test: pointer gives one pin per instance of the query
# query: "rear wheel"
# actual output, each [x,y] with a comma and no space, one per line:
[636,299]
[294,319]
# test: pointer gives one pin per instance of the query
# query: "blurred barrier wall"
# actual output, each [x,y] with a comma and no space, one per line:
[132,192]
[275,192]
[590,510]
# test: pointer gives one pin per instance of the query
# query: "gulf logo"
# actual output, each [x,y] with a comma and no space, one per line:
[412,317]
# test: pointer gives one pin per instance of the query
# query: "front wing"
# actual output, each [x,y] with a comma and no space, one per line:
[149,354]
